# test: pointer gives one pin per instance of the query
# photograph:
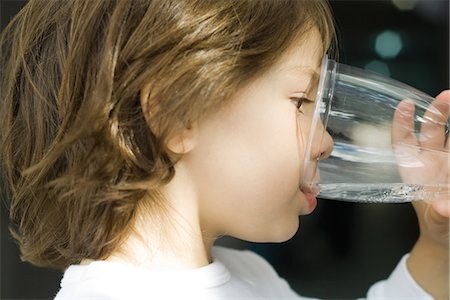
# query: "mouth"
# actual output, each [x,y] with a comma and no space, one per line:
[310,193]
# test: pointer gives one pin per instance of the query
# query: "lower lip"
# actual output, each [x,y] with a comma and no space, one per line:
[312,201]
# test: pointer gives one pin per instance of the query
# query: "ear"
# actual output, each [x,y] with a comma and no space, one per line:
[183,141]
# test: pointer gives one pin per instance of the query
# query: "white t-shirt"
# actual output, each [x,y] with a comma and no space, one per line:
[234,274]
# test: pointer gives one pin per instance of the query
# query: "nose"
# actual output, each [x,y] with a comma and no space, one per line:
[327,146]
[323,146]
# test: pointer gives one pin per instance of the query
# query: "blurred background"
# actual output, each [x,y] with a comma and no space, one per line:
[342,248]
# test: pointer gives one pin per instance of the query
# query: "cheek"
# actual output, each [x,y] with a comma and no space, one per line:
[251,158]
[303,128]
[248,178]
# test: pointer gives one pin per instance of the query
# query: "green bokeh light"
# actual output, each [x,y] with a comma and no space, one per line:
[388,44]
[378,67]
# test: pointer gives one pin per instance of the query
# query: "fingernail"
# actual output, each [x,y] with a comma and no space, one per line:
[406,113]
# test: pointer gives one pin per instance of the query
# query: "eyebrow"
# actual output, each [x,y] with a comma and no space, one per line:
[315,76]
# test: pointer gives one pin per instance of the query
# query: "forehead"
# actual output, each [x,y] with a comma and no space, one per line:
[304,55]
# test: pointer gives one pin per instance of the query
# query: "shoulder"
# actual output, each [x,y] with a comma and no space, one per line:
[399,285]
[255,270]
[98,280]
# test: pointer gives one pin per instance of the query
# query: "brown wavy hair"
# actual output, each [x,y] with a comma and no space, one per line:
[79,152]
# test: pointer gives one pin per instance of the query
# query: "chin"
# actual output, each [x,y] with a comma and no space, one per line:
[285,232]
[280,231]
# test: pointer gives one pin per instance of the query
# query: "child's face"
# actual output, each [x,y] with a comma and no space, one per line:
[247,160]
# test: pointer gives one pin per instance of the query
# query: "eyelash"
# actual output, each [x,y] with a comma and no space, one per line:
[299,101]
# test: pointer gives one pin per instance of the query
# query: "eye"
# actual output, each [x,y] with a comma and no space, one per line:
[298,102]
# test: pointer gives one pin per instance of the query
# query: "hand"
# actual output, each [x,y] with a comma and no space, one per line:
[426,161]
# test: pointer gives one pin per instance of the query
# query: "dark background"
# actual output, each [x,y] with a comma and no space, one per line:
[342,248]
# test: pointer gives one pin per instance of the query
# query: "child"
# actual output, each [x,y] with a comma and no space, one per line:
[135,133]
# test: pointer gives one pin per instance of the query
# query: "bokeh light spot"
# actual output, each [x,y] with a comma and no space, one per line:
[405,4]
[378,67]
[388,44]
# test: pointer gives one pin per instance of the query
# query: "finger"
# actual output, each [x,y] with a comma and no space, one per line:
[442,208]
[403,124]
[446,95]
[404,141]
[432,132]
[436,212]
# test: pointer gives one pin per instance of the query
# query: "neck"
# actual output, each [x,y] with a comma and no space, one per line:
[168,238]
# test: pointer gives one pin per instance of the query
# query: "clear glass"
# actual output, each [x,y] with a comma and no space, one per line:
[375,159]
